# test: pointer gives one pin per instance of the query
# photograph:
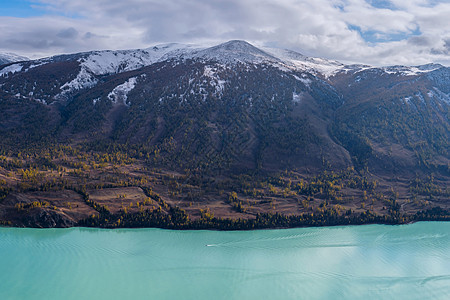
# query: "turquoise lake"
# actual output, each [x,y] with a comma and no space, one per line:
[352,262]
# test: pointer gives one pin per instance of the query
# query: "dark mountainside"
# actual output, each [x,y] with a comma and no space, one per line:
[227,137]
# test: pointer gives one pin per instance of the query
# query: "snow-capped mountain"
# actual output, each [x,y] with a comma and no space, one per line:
[250,106]
[6,58]
[99,63]
[69,74]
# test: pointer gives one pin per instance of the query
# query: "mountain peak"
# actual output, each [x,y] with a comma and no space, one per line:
[236,45]
[235,51]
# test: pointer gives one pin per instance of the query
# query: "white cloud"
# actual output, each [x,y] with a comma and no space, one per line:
[328,28]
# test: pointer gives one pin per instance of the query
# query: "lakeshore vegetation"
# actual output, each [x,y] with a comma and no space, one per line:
[120,186]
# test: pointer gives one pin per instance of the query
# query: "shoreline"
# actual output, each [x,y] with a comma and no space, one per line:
[223,230]
[259,223]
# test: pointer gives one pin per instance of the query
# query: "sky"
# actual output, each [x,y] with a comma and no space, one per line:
[374,32]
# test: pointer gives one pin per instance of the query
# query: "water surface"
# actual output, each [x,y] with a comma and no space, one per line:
[354,262]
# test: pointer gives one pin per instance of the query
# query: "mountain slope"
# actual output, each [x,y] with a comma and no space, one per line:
[356,109]
[232,128]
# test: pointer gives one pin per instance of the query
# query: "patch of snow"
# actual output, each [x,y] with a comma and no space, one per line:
[215,80]
[11,69]
[421,98]
[305,81]
[209,72]
[83,80]
[411,71]
[296,97]
[355,68]
[407,100]
[41,101]
[221,84]
[440,95]
[94,101]
[41,63]
[120,92]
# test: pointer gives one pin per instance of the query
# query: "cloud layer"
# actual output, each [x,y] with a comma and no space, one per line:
[377,32]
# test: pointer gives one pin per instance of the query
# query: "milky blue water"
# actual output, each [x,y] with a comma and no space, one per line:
[355,262]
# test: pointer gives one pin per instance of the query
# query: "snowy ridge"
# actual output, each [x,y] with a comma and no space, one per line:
[175,51]
[112,62]
[411,71]
[11,69]
[6,58]
[299,62]
[328,68]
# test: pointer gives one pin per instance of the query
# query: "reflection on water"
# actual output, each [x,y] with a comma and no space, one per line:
[372,262]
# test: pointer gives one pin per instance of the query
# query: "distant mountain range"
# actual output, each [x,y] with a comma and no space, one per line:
[236,109]
[6,58]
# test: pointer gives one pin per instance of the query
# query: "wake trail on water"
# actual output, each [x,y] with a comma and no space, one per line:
[303,240]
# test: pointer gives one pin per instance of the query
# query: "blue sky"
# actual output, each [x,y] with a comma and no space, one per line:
[373,37]
[19,8]
[377,32]
[26,9]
